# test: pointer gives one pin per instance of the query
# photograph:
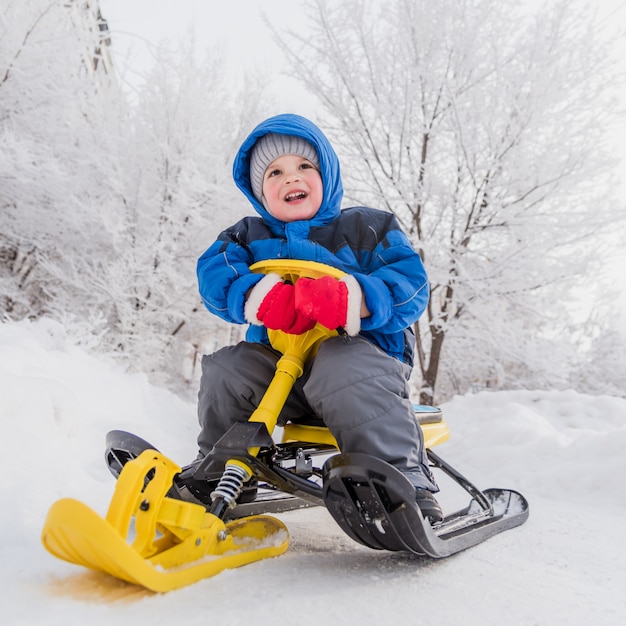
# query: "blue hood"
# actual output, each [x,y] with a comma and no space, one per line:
[295,125]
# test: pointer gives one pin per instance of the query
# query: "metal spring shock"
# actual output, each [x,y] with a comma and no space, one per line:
[230,484]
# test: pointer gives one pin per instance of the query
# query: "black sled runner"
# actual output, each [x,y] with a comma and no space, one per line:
[153,537]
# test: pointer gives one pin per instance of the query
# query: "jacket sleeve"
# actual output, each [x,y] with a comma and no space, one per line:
[395,285]
[224,275]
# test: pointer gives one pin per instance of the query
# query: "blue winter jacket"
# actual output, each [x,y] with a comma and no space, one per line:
[367,243]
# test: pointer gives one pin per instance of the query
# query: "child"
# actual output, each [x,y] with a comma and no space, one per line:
[358,381]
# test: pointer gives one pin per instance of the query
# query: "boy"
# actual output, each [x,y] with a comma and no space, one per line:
[358,381]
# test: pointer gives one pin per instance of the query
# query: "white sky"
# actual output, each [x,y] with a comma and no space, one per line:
[139,25]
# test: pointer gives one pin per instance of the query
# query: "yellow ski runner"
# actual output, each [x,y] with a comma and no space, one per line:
[155,541]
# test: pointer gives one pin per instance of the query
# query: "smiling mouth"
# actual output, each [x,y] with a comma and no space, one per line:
[295,196]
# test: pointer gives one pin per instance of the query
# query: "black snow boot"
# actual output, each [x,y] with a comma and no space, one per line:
[428,505]
[189,489]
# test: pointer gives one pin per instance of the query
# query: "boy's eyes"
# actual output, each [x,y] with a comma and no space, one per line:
[303,166]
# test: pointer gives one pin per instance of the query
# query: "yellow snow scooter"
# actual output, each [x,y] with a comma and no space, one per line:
[163,543]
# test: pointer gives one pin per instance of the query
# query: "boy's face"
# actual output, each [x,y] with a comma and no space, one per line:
[292,188]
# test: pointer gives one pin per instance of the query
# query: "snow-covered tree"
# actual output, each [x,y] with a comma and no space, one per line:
[483,127]
[55,92]
[107,199]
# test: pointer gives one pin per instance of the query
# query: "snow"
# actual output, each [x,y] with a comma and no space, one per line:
[562,449]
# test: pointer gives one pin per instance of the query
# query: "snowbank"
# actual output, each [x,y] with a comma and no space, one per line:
[563,450]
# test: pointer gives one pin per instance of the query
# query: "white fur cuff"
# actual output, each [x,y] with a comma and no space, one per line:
[355,296]
[257,295]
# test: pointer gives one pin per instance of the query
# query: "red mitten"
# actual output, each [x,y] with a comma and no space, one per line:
[333,303]
[272,304]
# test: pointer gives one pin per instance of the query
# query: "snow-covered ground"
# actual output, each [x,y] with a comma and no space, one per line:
[563,450]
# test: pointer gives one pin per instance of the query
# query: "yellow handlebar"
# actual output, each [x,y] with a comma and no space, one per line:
[292,269]
[298,347]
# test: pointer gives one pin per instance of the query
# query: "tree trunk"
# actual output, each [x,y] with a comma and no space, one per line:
[429,380]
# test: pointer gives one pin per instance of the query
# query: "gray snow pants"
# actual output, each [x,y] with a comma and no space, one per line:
[360,392]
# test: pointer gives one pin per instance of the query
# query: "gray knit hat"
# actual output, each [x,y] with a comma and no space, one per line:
[270,147]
